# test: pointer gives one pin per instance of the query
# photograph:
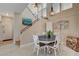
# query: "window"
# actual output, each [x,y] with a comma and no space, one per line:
[44,10]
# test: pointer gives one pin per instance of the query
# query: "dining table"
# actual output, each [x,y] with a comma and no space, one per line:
[45,39]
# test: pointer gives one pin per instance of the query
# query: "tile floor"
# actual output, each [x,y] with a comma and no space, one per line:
[12,50]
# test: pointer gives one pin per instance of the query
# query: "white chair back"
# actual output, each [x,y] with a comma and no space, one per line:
[35,38]
[58,39]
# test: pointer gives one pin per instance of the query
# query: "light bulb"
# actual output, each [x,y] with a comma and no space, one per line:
[52,13]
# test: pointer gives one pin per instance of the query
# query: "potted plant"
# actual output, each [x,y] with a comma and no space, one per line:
[49,33]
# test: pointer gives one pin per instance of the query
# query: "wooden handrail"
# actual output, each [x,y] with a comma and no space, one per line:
[28,26]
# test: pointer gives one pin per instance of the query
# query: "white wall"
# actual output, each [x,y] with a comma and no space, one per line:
[16,27]
[12,7]
[65,6]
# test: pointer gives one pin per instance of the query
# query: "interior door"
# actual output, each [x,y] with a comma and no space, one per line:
[8,24]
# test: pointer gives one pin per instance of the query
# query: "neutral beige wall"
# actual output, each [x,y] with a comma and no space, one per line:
[72,16]
[37,28]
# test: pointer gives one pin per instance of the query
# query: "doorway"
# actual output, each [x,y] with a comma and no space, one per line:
[6,30]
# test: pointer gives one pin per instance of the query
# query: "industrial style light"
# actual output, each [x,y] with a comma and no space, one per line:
[52,11]
[35,5]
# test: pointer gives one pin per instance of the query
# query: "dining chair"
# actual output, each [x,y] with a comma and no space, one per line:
[37,45]
[55,45]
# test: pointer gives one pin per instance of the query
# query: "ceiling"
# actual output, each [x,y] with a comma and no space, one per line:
[12,7]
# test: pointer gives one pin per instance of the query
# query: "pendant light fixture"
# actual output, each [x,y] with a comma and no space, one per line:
[52,11]
[35,5]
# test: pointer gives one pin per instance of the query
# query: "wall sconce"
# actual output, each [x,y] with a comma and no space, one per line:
[52,11]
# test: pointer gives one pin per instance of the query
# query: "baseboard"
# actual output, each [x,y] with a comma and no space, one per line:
[25,45]
[7,39]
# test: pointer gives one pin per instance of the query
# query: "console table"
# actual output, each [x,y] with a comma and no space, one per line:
[73,43]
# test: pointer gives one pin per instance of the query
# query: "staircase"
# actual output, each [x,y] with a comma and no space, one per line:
[37,14]
[26,32]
